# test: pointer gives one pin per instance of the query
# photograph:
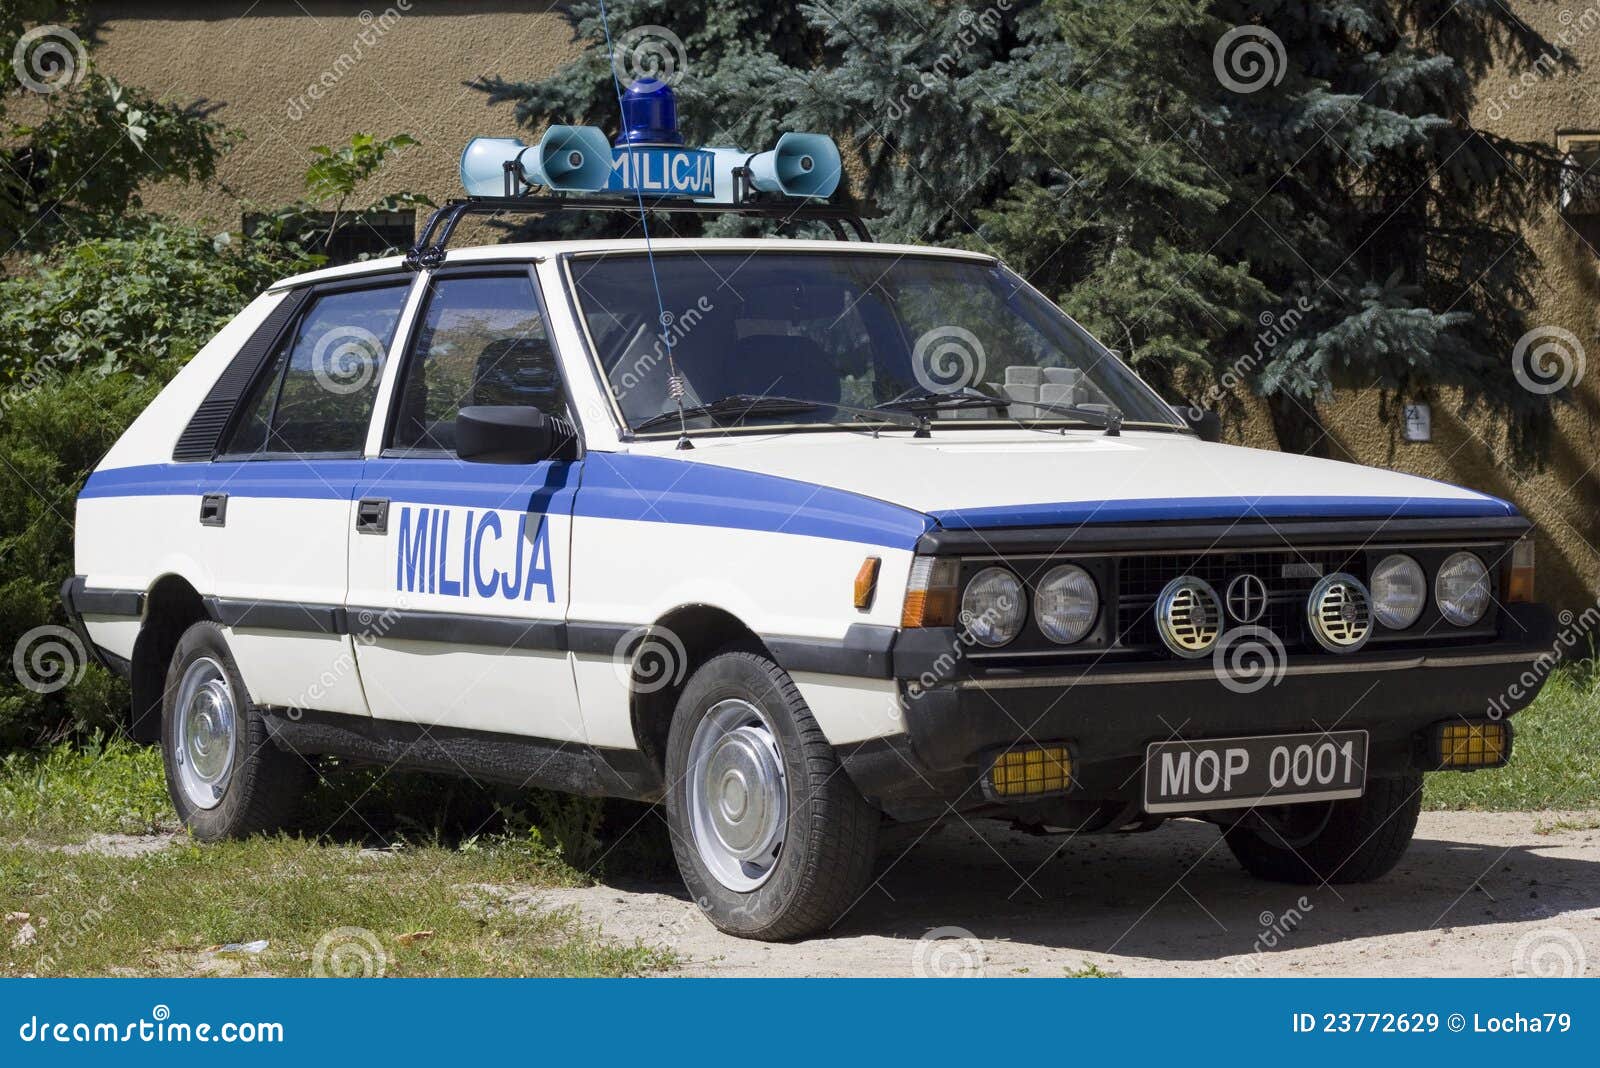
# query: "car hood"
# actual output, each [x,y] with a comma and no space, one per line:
[974,478]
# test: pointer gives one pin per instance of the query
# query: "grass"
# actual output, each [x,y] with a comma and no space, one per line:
[413,875]
[69,793]
[1553,761]
[394,874]
[321,908]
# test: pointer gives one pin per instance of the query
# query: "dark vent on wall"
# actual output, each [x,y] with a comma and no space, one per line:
[199,439]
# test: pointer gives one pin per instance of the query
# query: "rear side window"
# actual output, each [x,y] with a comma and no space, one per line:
[315,395]
[482,341]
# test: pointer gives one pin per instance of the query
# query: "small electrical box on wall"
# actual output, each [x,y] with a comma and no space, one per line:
[1418,422]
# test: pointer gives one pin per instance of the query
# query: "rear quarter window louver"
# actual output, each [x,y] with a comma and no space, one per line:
[210,421]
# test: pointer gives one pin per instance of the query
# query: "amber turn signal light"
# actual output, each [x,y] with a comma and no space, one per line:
[867,582]
[1519,573]
[931,593]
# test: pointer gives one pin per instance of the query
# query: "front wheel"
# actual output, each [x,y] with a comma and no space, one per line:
[772,837]
[1353,841]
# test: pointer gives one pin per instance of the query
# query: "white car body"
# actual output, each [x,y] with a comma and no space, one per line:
[769,529]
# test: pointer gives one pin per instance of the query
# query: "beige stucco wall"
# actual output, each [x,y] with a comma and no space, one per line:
[381,67]
[403,68]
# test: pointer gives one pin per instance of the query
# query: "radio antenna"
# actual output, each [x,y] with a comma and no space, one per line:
[675,383]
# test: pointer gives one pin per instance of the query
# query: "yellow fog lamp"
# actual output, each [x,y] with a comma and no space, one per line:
[1030,772]
[1472,745]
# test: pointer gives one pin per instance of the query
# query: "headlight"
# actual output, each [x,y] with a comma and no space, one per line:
[1399,591]
[993,607]
[1462,589]
[1066,604]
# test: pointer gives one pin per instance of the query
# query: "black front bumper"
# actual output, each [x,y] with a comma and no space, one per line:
[1109,714]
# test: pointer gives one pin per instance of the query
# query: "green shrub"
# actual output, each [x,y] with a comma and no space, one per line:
[87,338]
[143,302]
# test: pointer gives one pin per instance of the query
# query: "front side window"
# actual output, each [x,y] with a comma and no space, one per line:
[315,395]
[482,341]
[958,339]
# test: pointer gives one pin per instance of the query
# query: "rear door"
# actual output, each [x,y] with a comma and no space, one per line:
[458,570]
[277,499]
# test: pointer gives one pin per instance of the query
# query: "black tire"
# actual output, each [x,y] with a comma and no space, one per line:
[1354,841]
[265,784]
[830,841]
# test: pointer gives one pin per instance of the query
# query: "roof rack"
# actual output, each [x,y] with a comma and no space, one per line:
[429,250]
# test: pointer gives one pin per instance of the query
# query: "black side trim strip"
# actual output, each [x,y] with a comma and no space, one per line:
[866,652]
[515,760]
[81,601]
[71,603]
[503,633]
[595,639]
[200,439]
[278,615]
[1276,533]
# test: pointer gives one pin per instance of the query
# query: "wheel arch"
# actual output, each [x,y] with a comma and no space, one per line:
[171,606]
[688,635]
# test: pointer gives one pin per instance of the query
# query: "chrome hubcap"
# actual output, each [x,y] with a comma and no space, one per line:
[738,803]
[207,721]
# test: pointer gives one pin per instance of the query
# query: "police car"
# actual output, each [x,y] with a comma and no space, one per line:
[795,537]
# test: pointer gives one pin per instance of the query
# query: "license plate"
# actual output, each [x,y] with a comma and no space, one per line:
[1238,772]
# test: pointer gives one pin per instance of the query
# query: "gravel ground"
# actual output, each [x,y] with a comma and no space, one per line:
[1479,894]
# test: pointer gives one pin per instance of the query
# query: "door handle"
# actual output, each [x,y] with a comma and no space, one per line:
[372,515]
[214,510]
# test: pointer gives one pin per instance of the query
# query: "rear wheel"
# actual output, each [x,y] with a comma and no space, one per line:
[225,776]
[1353,841]
[772,837]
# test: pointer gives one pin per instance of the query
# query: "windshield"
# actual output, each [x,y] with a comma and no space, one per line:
[860,336]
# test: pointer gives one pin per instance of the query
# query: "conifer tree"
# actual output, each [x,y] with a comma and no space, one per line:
[1281,194]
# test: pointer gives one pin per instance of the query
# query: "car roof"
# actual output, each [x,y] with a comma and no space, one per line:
[539,250]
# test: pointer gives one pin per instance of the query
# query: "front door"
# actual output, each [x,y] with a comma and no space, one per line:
[458,570]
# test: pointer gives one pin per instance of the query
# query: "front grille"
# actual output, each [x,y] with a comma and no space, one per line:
[1287,576]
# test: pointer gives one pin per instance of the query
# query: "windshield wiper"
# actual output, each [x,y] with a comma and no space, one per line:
[742,405]
[939,402]
[1107,417]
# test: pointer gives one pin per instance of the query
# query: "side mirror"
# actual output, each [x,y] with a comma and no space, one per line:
[511,434]
[1206,424]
